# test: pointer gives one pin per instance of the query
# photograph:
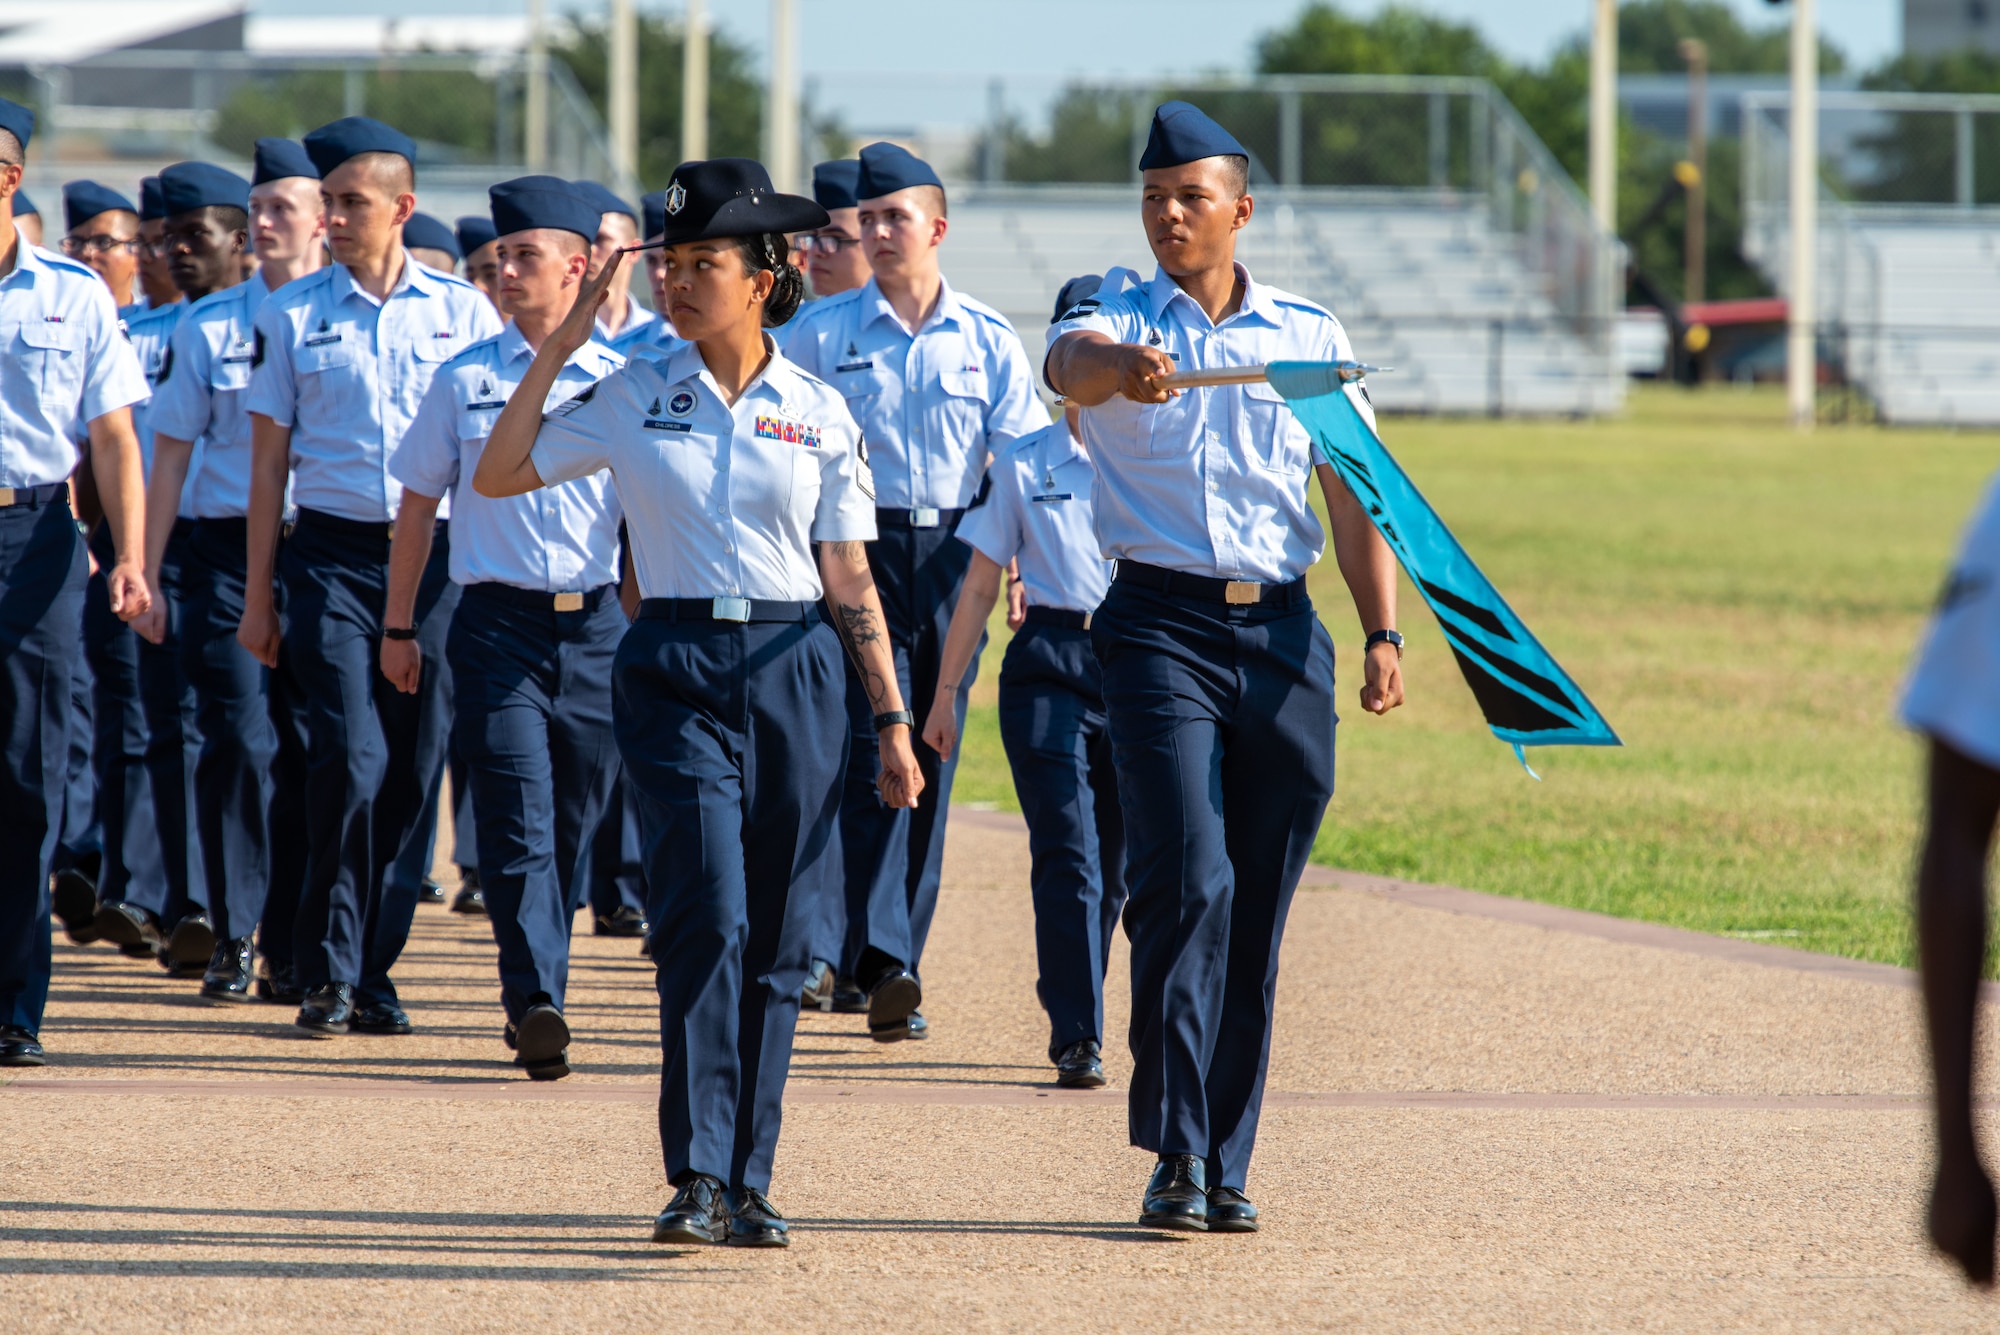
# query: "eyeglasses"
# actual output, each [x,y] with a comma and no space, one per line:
[826,243]
[96,244]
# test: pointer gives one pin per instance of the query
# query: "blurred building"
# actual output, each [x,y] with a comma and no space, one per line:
[1939,27]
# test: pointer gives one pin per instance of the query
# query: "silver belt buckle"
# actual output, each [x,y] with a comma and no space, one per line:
[569,602]
[730,609]
[924,516]
[1242,591]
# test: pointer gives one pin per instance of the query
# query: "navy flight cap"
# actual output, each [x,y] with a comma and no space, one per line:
[728,197]
[834,183]
[426,233]
[198,185]
[84,200]
[655,207]
[17,120]
[475,230]
[275,159]
[350,136]
[603,200]
[528,202]
[25,207]
[1077,289]
[152,204]
[886,168]
[1183,133]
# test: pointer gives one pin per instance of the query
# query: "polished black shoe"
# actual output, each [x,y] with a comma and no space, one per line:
[18,1047]
[1080,1066]
[891,1002]
[130,928]
[817,994]
[1177,1195]
[280,984]
[73,899]
[848,998]
[192,943]
[919,1026]
[699,1212]
[430,892]
[469,899]
[1230,1211]
[328,1010]
[541,1042]
[621,921]
[755,1222]
[231,971]
[380,1017]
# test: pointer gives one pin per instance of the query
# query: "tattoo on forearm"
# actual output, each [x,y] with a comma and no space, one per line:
[854,553]
[859,626]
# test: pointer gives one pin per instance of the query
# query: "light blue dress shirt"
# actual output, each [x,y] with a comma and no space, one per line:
[64,362]
[1213,482]
[347,373]
[202,399]
[1037,507]
[557,540]
[151,329]
[720,500]
[932,405]
[640,329]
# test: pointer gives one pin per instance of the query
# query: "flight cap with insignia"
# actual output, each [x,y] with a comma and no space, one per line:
[350,136]
[198,185]
[475,230]
[84,200]
[528,202]
[1183,133]
[729,197]
[423,232]
[1080,288]
[834,183]
[17,120]
[275,159]
[887,168]
[603,199]
[152,204]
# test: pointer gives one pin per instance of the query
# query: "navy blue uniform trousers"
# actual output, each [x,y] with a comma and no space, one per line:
[895,857]
[1222,723]
[532,721]
[374,756]
[43,570]
[734,742]
[1053,727]
[80,842]
[617,873]
[146,746]
[249,776]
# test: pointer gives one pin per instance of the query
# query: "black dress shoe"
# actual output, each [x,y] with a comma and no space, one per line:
[18,1047]
[1177,1195]
[1230,1211]
[621,921]
[919,1027]
[755,1222]
[192,943]
[891,1002]
[280,984]
[73,899]
[328,1010]
[699,1212]
[541,1042]
[129,927]
[231,970]
[817,994]
[430,892]
[470,899]
[1080,1066]
[848,998]
[380,1017]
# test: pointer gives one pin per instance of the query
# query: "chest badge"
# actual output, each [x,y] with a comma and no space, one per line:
[323,335]
[855,361]
[654,422]
[681,404]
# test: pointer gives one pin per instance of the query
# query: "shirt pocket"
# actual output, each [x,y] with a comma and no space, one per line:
[1277,442]
[227,375]
[53,354]
[960,407]
[327,377]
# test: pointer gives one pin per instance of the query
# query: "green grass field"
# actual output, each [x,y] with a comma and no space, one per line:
[1740,601]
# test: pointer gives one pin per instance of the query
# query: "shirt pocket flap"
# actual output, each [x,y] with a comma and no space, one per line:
[435,349]
[225,374]
[328,356]
[964,384]
[858,383]
[1262,391]
[50,335]
[477,423]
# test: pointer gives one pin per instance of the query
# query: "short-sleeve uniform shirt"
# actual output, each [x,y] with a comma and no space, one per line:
[151,329]
[1214,481]
[561,539]
[932,405]
[202,398]
[1953,692]
[64,362]
[720,499]
[1038,508]
[347,374]
[639,331]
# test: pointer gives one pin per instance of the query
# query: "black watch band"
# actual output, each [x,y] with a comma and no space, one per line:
[399,632]
[1376,637]
[895,716]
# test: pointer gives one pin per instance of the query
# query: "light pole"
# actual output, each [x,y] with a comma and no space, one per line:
[694,83]
[1604,115]
[624,95]
[535,130]
[781,99]
[1801,350]
[1695,278]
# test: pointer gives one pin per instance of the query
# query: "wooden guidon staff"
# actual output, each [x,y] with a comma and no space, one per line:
[1252,375]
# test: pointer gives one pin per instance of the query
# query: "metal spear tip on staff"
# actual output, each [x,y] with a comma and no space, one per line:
[1345,372]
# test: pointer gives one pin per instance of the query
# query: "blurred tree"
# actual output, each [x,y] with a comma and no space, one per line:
[1915,154]
[450,113]
[1650,33]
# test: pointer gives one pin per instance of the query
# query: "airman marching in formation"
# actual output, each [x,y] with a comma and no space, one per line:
[688,596]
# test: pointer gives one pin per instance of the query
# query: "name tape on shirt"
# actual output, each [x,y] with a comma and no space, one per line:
[792,433]
[1052,497]
[665,424]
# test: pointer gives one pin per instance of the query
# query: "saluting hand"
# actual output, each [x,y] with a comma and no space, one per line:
[1138,367]
[576,327]
[901,783]
[1382,680]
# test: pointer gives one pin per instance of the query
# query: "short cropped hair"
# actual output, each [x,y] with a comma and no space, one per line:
[1236,174]
[392,170]
[10,149]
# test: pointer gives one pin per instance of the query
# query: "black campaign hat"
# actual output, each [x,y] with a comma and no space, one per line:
[1184,133]
[84,200]
[529,202]
[350,136]
[427,233]
[834,183]
[475,230]
[276,159]
[727,197]
[199,185]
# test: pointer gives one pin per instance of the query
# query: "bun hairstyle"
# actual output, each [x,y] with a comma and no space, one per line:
[773,251]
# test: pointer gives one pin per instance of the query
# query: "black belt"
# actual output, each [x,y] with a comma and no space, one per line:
[726,609]
[537,601]
[33,498]
[1242,593]
[1067,618]
[921,517]
[339,526]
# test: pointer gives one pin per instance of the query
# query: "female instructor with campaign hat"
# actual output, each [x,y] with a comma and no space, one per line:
[730,464]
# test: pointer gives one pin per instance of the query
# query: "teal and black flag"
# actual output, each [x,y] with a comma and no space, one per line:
[1527,698]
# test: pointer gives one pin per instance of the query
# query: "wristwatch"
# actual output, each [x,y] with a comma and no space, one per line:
[895,716]
[1376,637]
[399,632]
